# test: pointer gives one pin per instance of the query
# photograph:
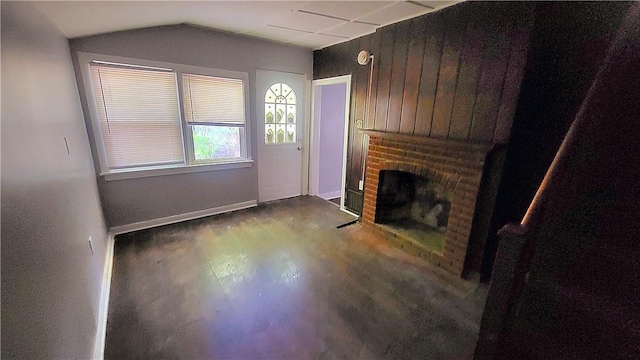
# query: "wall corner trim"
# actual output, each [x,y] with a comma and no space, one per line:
[116,230]
[103,310]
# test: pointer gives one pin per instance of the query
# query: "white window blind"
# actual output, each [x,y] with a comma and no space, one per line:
[210,100]
[139,117]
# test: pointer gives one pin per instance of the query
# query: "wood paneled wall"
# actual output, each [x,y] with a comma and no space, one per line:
[452,74]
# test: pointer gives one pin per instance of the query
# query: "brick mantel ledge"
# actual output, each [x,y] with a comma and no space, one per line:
[469,146]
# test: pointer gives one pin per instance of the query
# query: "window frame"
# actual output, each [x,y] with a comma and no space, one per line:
[190,164]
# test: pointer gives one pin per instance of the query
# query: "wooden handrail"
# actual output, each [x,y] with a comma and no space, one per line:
[592,112]
[533,216]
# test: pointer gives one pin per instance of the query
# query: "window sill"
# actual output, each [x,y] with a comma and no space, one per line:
[172,170]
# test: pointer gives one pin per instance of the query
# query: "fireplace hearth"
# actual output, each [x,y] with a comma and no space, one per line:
[421,194]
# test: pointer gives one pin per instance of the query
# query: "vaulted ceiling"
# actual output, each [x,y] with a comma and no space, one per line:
[311,24]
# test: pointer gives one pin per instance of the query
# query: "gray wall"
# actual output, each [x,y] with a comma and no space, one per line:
[133,200]
[331,137]
[50,206]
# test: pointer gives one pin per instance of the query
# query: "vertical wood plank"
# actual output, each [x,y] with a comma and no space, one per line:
[398,73]
[434,41]
[361,77]
[320,64]
[412,78]
[375,50]
[355,137]
[339,61]
[323,62]
[468,76]
[494,65]
[455,27]
[359,83]
[515,72]
[384,77]
[363,86]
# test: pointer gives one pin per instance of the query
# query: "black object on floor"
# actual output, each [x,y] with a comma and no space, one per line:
[347,223]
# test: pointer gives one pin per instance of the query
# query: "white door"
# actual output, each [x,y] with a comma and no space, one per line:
[280,114]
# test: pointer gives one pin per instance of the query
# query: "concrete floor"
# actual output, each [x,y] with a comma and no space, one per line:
[281,282]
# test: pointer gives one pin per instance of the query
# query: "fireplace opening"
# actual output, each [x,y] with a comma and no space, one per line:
[413,206]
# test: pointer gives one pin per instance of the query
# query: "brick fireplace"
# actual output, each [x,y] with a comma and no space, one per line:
[453,167]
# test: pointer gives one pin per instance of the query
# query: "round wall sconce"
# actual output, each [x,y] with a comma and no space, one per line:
[364,57]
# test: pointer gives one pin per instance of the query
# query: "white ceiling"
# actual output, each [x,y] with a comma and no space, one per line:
[311,24]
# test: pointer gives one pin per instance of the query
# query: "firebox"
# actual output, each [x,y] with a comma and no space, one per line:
[413,206]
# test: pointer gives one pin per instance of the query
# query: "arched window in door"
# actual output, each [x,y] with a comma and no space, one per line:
[280,114]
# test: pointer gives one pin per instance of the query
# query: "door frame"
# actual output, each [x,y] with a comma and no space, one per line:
[314,153]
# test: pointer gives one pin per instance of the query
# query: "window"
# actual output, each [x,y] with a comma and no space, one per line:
[138,115]
[149,116]
[214,107]
[280,114]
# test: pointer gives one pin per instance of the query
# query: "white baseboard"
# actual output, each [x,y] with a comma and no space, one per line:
[103,310]
[330,195]
[181,217]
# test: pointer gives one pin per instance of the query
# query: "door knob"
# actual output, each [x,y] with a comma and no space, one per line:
[299,148]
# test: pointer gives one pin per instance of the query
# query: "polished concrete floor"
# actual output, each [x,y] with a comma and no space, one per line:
[279,281]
